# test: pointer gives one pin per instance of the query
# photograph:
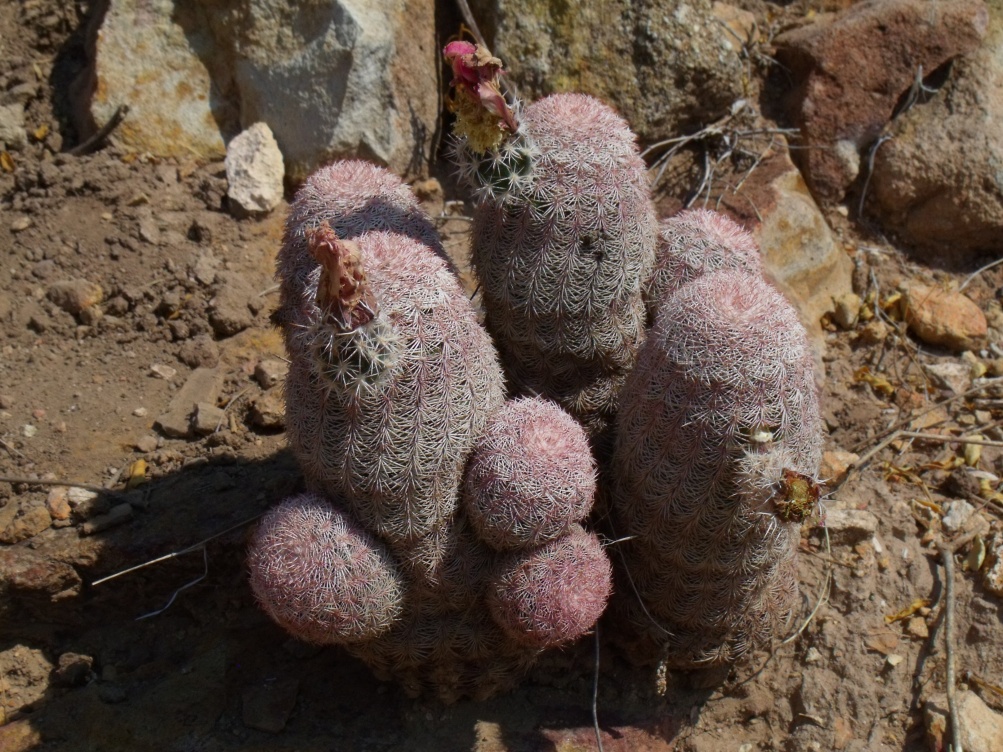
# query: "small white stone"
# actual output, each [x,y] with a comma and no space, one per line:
[163,372]
[958,512]
[77,496]
[894,660]
[254,171]
[29,430]
[140,412]
[812,656]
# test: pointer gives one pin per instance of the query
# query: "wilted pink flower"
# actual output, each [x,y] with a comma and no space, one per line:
[476,79]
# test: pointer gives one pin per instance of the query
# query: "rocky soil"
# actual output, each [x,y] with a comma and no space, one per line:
[138,360]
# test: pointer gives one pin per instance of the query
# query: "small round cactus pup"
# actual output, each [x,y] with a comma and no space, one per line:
[553,594]
[695,242]
[532,476]
[320,576]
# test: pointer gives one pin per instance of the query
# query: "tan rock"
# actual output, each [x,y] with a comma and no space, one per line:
[835,464]
[30,523]
[621,51]
[948,319]
[992,573]
[800,254]
[58,504]
[75,295]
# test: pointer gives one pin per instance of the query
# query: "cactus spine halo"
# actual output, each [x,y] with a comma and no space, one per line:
[721,404]
[320,576]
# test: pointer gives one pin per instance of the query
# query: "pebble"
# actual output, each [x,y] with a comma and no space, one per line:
[267,707]
[949,319]
[146,444]
[20,224]
[74,295]
[981,727]
[232,306]
[200,352]
[58,503]
[812,656]
[163,372]
[254,172]
[140,412]
[204,268]
[875,332]
[201,386]
[848,527]
[74,670]
[917,627]
[958,512]
[270,372]
[992,572]
[115,517]
[31,522]
[268,412]
[847,310]
[950,375]
[29,431]
[6,402]
[835,464]
[893,660]
[207,419]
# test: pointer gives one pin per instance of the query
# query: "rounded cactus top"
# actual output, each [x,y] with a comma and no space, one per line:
[695,242]
[580,123]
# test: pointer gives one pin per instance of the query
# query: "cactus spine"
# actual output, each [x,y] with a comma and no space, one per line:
[722,402]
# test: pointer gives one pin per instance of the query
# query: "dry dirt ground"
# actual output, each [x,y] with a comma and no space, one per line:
[112,667]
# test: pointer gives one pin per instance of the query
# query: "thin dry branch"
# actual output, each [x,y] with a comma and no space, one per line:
[947,553]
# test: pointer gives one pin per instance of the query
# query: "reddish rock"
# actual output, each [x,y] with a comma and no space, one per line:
[948,319]
[852,68]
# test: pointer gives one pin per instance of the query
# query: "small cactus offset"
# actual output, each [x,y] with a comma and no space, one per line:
[552,594]
[694,242]
[320,576]
[718,417]
[531,476]
[563,237]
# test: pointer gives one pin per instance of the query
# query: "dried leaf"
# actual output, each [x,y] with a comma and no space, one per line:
[972,452]
[6,161]
[976,555]
[137,474]
[879,384]
[882,642]
[40,132]
[908,611]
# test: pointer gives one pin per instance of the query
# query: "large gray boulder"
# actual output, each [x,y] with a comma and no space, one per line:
[664,65]
[331,78]
[939,181]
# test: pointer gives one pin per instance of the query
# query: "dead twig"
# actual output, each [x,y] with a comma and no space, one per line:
[979,271]
[40,482]
[595,696]
[11,449]
[938,438]
[174,554]
[94,141]
[947,554]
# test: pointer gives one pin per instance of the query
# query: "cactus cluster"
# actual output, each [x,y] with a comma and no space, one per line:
[393,388]
[443,539]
